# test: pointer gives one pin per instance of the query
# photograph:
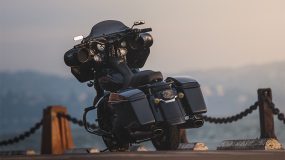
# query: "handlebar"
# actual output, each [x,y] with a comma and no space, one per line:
[144,30]
[124,33]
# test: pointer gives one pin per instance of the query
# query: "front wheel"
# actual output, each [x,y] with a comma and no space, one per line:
[169,140]
[105,119]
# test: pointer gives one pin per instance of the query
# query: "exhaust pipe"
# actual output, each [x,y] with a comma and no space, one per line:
[198,123]
[146,134]
[195,121]
[141,134]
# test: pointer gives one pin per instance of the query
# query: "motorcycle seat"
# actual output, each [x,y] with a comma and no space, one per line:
[145,77]
[115,81]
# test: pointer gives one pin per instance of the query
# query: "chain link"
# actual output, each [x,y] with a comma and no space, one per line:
[231,118]
[38,125]
[22,136]
[276,111]
[76,121]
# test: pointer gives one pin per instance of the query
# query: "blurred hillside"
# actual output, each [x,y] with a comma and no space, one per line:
[231,90]
[23,95]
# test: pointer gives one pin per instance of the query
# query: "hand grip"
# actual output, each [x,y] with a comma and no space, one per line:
[145,30]
[136,30]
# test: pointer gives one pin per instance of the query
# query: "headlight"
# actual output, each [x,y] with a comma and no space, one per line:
[101,47]
[92,52]
[122,51]
[97,58]
[123,44]
[145,40]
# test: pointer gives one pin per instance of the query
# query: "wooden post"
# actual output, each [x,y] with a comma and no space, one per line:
[183,136]
[265,114]
[56,132]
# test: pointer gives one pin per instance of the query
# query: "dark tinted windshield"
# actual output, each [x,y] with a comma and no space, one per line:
[107,27]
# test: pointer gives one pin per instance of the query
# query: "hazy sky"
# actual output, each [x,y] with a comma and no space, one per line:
[188,34]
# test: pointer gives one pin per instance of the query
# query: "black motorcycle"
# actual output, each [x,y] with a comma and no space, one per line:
[132,105]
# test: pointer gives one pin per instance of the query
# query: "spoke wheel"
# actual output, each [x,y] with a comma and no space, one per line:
[105,119]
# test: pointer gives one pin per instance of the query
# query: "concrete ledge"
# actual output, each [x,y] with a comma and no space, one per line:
[138,148]
[82,151]
[197,146]
[165,155]
[29,152]
[251,144]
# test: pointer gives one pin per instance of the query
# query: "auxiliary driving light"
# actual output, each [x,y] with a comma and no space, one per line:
[180,95]
[156,101]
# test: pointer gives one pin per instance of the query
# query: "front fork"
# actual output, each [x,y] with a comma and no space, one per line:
[96,103]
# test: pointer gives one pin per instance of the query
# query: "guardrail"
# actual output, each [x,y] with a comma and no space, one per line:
[266,110]
[56,132]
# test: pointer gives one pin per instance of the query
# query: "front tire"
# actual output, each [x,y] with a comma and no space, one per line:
[105,119]
[169,140]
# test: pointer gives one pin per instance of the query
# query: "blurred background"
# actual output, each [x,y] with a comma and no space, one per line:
[232,47]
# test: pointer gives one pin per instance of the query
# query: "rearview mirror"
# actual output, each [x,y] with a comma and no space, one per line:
[136,23]
[139,23]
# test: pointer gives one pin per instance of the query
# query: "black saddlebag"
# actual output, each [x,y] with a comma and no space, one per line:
[193,100]
[172,112]
[166,107]
[133,109]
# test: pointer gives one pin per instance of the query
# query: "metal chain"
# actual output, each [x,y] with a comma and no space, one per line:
[231,118]
[22,136]
[76,121]
[37,126]
[275,110]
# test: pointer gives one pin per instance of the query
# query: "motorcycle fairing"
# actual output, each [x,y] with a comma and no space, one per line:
[82,73]
[136,58]
[107,27]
